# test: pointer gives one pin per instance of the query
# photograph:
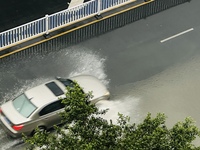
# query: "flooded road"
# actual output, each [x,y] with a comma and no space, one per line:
[174,91]
[24,74]
[142,73]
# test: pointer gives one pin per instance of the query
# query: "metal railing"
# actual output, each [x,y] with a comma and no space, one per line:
[51,22]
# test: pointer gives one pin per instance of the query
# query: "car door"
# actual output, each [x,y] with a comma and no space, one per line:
[49,115]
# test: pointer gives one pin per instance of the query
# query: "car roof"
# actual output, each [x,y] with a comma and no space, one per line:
[53,90]
[46,93]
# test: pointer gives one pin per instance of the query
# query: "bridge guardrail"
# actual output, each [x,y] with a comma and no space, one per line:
[48,23]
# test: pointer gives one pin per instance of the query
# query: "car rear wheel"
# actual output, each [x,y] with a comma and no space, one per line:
[40,129]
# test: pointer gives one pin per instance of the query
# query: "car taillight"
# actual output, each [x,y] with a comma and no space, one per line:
[18,127]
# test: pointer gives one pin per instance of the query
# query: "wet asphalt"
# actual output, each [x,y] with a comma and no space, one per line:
[149,75]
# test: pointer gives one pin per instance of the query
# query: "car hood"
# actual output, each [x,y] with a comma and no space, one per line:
[12,114]
[91,84]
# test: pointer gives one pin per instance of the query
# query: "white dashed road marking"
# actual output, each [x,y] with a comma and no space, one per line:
[176,35]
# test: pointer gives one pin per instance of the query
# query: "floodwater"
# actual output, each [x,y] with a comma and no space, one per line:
[142,74]
[24,74]
[174,91]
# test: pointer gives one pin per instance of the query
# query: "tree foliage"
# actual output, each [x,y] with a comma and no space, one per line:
[85,129]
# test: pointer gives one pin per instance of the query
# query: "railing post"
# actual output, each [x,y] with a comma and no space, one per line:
[98,16]
[99,8]
[46,35]
[47,24]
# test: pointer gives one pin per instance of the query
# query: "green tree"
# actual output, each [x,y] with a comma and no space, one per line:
[85,129]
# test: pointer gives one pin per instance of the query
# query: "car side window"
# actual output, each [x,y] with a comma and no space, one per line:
[51,108]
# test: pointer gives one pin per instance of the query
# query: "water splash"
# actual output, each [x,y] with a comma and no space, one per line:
[10,144]
[128,106]
[88,62]
[25,74]
[78,61]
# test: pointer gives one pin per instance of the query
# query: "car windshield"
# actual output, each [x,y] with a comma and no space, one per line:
[66,82]
[23,105]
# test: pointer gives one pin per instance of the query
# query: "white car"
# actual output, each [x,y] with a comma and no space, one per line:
[40,106]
